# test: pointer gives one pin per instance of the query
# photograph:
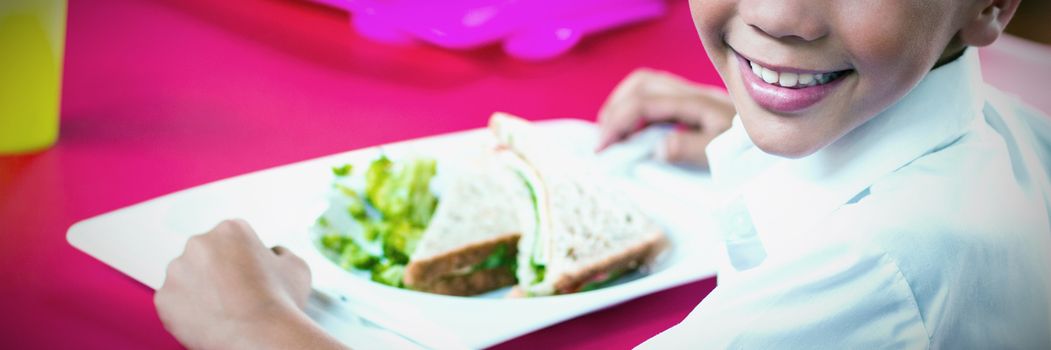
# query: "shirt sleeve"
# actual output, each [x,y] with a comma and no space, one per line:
[836,298]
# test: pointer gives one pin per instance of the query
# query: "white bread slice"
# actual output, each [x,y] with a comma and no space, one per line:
[587,230]
[481,208]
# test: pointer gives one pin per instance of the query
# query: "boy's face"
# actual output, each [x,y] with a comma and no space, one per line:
[803,73]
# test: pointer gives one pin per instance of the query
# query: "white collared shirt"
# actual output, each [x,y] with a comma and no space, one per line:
[926,227]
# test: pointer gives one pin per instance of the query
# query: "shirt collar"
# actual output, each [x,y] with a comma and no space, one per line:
[784,196]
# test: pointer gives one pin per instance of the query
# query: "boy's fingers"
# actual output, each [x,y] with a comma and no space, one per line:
[643,80]
[620,114]
[291,258]
[235,232]
[280,250]
[654,97]
[687,147]
[617,120]
[628,86]
[297,275]
[714,109]
[625,118]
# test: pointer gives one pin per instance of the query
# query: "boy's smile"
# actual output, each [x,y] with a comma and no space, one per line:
[784,89]
[803,73]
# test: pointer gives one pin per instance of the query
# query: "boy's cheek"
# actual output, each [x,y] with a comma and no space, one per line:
[895,36]
[893,48]
[711,17]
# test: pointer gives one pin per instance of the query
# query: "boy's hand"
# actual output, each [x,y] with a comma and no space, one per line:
[647,96]
[227,290]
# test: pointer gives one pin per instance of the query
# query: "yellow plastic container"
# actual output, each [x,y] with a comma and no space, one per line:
[32,44]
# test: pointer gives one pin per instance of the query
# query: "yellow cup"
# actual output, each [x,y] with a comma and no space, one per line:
[32,43]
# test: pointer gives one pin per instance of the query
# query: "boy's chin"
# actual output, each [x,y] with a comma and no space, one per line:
[785,141]
[786,148]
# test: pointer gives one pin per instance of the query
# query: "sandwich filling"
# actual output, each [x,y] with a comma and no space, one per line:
[586,234]
[538,243]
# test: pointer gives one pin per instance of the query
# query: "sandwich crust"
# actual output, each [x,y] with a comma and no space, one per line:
[471,284]
[438,273]
[639,255]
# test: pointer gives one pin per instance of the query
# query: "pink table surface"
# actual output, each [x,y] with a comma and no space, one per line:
[165,95]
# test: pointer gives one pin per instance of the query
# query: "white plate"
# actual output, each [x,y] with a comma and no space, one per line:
[283,202]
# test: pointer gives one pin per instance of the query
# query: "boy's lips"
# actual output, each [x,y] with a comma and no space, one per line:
[786,90]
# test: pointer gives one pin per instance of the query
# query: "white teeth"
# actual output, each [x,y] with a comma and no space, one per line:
[806,79]
[823,78]
[769,76]
[788,79]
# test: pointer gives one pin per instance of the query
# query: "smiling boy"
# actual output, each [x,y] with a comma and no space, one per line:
[877,193]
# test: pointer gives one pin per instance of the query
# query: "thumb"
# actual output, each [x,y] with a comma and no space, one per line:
[687,147]
[295,273]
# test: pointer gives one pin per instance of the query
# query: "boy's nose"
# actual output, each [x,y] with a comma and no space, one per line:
[786,19]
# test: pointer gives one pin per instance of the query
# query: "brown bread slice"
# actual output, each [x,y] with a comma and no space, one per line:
[481,208]
[445,273]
